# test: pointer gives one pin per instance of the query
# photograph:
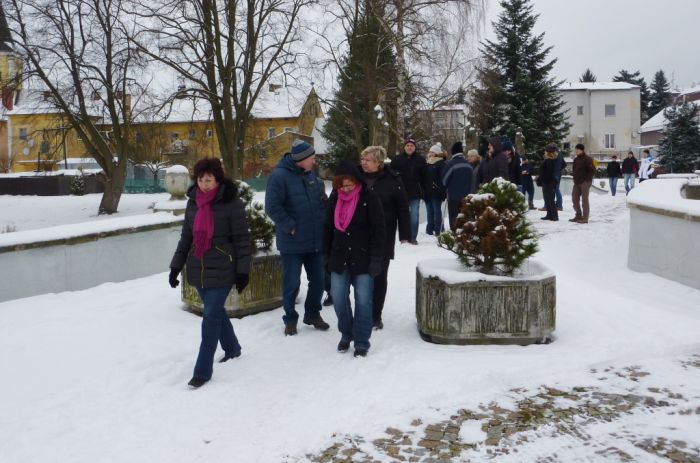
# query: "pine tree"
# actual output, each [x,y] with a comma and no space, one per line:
[661,97]
[262,229]
[515,88]
[461,96]
[679,149]
[635,78]
[587,76]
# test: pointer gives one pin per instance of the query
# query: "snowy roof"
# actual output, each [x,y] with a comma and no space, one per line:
[695,88]
[36,101]
[657,122]
[452,107]
[593,86]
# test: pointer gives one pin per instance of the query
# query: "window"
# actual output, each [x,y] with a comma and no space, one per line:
[23,133]
[138,138]
[270,132]
[609,110]
[287,129]
[579,110]
[610,141]
[174,136]
[209,133]
[191,134]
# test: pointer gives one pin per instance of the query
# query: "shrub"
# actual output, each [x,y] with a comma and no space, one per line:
[77,185]
[262,229]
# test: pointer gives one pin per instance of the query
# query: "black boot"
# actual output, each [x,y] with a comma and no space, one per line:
[290,329]
[377,324]
[317,323]
[197,382]
[229,357]
[360,353]
[328,300]
[343,346]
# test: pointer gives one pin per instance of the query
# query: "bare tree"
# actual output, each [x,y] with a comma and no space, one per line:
[80,52]
[227,51]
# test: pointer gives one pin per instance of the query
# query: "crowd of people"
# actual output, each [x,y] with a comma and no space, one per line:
[346,239]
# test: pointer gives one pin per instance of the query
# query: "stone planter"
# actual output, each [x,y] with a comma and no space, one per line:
[454,306]
[264,292]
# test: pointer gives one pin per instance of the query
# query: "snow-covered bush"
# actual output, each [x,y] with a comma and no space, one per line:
[77,185]
[492,234]
[262,229]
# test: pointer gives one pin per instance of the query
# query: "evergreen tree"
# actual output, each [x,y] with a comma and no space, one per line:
[661,97]
[587,76]
[368,72]
[679,149]
[644,97]
[461,96]
[515,88]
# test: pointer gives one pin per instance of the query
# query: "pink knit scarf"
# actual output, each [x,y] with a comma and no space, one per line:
[203,229]
[345,207]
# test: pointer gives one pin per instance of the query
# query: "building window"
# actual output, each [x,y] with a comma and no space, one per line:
[191,134]
[270,132]
[579,110]
[609,110]
[23,133]
[138,138]
[610,141]
[174,136]
[209,133]
[287,129]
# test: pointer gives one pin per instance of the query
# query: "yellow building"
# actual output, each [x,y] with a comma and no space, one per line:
[10,85]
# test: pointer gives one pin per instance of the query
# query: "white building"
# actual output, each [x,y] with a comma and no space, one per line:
[605,116]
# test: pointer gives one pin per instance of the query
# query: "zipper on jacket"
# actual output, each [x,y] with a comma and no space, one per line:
[224,253]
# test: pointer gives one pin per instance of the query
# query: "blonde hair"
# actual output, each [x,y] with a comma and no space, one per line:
[474,153]
[376,153]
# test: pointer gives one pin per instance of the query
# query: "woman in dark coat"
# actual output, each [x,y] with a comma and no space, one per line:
[353,243]
[435,192]
[548,181]
[386,184]
[215,249]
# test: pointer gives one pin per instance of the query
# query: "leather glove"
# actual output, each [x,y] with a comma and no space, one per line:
[172,278]
[375,268]
[241,281]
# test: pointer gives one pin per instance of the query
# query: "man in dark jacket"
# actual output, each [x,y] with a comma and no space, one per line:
[583,171]
[630,167]
[496,164]
[458,181]
[413,170]
[614,172]
[293,201]
[514,173]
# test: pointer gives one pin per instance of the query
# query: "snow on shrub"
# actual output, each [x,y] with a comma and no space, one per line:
[262,229]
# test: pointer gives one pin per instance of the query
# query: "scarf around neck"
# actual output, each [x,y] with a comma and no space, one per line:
[203,229]
[345,207]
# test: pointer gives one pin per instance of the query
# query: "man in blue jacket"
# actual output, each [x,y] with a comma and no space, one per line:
[458,181]
[293,200]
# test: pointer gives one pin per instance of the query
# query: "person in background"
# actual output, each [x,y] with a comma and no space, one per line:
[514,170]
[457,180]
[293,200]
[559,168]
[496,165]
[614,172]
[630,167]
[354,238]
[647,166]
[387,185]
[474,160]
[548,182]
[414,174]
[214,248]
[435,191]
[583,172]
[528,186]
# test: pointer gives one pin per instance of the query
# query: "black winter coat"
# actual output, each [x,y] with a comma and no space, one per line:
[614,170]
[435,189]
[392,194]
[414,173]
[362,242]
[230,252]
[547,176]
[514,171]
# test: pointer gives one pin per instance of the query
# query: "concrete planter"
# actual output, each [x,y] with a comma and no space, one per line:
[454,306]
[264,292]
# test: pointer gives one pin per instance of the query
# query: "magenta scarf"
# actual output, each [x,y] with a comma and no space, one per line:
[203,221]
[345,207]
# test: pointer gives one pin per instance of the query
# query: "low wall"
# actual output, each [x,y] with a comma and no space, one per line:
[664,228]
[49,185]
[75,257]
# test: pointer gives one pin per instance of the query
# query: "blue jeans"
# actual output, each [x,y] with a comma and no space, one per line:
[629,182]
[613,185]
[291,269]
[557,194]
[216,328]
[357,328]
[434,209]
[414,212]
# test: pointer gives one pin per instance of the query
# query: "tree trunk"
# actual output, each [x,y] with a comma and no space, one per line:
[114,187]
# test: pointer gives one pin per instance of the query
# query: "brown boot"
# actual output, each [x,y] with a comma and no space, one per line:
[290,329]
[575,219]
[582,220]
[317,323]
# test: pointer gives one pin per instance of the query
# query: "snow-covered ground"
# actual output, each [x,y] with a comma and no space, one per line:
[100,375]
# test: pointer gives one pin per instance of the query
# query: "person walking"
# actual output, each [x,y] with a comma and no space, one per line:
[474,160]
[647,167]
[528,186]
[387,185]
[354,239]
[414,173]
[457,180]
[548,181]
[583,172]
[630,167]
[214,249]
[293,200]
[614,172]
[435,191]
[496,165]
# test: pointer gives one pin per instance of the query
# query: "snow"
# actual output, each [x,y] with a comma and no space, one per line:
[451,271]
[177,169]
[100,375]
[664,194]
[471,432]
[597,86]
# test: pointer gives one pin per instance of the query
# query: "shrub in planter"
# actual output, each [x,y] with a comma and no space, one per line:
[77,185]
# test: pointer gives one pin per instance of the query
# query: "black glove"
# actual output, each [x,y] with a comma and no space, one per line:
[375,268]
[172,278]
[241,281]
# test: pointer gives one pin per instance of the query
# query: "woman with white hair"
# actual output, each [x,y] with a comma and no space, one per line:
[435,191]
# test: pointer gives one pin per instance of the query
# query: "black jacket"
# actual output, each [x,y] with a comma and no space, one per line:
[547,176]
[363,241]
[435,189]
[230,252]
[414,173]
[495,165]
[458,178]
[514,171]
[630,166]
[392,194]
[613,169]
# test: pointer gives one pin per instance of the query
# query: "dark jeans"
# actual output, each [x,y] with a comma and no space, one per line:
[452,212]
[291,268]
[528,187]
[216,328]
[434,209]
[379,293]
[414,212]
[548,191]
[557,194]
[613,185]
[357,327]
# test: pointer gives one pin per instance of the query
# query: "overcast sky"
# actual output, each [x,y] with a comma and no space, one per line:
[609,35]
